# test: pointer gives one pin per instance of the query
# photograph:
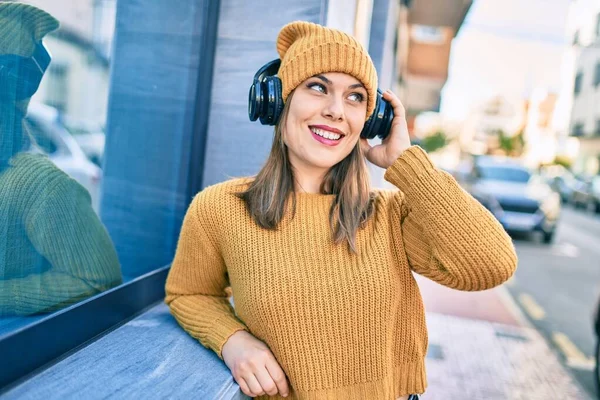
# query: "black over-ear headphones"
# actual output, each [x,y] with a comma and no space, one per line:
[265,102]
[20,77]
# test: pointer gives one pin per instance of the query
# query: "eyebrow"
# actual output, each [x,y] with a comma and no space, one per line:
[324,79]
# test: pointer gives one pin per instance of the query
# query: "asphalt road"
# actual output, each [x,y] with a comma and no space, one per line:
[557,286]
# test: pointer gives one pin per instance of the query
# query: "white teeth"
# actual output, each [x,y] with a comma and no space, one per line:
[326,134]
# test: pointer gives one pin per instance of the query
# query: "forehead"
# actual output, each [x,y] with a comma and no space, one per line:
[339,78]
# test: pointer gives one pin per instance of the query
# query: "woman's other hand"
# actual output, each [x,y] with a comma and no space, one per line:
[254,366]
[384,154]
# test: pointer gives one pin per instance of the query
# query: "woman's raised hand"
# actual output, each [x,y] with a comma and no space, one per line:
[254,366]
[383,155]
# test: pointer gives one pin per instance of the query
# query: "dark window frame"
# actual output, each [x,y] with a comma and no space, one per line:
[101,314]
[578,83]
[577,129]
[24,351]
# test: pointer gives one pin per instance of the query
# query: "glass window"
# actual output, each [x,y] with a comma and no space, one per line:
[58,90]
[577,130]
[428,34]
[54,248]
[578,83]
[42,136]
[504,174]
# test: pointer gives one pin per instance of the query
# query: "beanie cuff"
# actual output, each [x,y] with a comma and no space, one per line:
[330,57]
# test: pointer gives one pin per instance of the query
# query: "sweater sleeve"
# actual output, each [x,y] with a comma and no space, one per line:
[197,281]
[65,230]
[447,235]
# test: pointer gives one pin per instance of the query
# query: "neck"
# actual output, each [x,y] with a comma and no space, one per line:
[308,180]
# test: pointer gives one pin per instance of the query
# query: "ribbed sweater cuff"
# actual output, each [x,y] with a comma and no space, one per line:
[224,328]
[411,163]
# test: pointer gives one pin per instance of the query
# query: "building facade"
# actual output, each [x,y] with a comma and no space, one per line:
[584,35]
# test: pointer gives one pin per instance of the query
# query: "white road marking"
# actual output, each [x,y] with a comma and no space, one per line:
[532,308]
[565,249]
[574,357]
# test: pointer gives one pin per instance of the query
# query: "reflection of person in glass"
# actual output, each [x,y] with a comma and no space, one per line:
[54,251]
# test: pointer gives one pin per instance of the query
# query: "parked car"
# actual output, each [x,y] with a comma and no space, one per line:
[561,180]
[520,200]
[54,140]
[90,137]
[587,194]
[596,321]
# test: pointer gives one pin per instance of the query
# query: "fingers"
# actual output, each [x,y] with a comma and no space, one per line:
[255,387]
[268,379]
[254,367]
[365,146]
[278,377]
[397,105]
[244,386]
[266,382]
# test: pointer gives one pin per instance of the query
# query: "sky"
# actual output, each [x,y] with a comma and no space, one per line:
[508,48]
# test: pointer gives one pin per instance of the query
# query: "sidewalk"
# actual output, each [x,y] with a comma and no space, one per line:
[481,347]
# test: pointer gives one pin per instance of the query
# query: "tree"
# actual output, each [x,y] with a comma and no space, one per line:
[434,142]
[511,145]
[564,161]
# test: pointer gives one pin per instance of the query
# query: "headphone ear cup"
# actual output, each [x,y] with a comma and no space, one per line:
[254,101]
[273,101]
[278,97]
[380,122]
[19,80]
[368,128]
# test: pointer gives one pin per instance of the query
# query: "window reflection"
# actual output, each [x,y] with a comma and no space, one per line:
[54,250]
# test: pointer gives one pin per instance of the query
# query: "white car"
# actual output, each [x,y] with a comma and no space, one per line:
[55,141]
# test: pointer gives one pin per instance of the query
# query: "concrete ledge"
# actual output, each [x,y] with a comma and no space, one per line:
[150,357]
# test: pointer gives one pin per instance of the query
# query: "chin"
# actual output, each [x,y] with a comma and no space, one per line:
[324,163]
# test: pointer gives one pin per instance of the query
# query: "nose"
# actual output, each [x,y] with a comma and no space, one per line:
[334,109]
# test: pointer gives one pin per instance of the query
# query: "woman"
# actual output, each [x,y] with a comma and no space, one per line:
[320,264]
[54,250]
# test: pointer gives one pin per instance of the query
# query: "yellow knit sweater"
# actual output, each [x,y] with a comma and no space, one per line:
[341,325]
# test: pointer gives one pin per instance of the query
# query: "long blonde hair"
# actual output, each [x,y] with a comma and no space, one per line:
[348,180]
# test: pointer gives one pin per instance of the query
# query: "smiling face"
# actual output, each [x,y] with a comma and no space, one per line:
[326,115]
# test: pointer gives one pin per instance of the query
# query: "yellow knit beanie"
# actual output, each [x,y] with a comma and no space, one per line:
[22,26]
[307,49]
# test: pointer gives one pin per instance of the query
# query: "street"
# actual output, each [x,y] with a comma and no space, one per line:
[557,288]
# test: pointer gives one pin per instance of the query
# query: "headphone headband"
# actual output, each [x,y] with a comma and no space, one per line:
[265,102]
[269,69]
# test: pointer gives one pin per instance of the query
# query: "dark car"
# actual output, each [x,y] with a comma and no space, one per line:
[587,194]
[561,180]
[596,317]
[521,201]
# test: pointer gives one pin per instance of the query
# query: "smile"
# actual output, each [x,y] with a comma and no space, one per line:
[326,137]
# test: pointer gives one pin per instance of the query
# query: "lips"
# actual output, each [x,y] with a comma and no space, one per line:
[323,140]
[328,128]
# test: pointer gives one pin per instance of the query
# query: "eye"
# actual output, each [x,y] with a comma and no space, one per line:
[358,97]
[319,87]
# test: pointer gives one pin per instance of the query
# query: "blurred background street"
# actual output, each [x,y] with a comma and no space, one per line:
[553,293]
[503,94]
